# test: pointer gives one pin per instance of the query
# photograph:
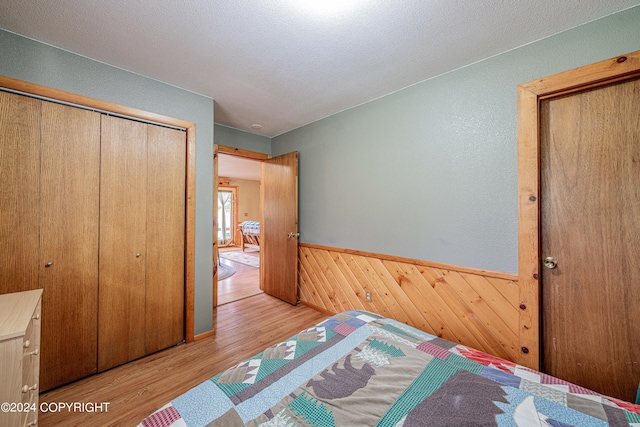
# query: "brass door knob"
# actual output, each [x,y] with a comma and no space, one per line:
[550,262]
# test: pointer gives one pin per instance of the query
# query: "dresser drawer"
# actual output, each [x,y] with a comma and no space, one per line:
[20,356]
[30,418]
[31,359]
[32,334]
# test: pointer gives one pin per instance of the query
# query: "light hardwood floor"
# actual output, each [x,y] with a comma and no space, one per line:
[244,283]
[134,390]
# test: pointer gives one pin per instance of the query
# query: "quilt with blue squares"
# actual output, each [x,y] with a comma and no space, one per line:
[250,228]
[360,369]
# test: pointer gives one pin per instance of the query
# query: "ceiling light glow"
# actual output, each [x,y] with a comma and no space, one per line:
[327,7]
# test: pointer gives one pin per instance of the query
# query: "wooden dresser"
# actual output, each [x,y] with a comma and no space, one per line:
[19,358]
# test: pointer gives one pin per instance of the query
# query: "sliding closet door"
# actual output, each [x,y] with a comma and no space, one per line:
[19,180]
[69,205]
[123,182]
[165,237]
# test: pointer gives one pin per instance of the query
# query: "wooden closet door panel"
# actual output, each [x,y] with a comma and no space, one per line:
[19,177]
[165,237]
[69,208]
[123,182]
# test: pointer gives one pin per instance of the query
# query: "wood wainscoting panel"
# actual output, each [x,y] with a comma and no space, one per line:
[477,308]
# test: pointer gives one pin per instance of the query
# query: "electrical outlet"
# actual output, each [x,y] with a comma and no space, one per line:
[367,295]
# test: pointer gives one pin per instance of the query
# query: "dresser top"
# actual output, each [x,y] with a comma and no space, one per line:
[16,310]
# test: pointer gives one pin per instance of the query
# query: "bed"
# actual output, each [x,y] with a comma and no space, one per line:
[250,231]
[360,369]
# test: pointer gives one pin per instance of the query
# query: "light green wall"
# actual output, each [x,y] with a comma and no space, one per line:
[34,62]
[239,139]
[430,172]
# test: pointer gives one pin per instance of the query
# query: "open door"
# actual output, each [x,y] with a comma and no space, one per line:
[279,227]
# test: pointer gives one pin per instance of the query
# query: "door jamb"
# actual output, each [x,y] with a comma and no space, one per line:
[529,96]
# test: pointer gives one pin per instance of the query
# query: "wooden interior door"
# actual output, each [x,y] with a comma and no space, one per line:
[68,265]
[19,181]
[279,227]
[590,223]
[123,217]
[165,268]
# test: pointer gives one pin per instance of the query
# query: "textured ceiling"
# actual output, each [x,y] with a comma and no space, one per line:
[282,64]
[238,167]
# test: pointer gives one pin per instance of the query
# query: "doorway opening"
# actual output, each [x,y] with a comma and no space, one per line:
[238,204]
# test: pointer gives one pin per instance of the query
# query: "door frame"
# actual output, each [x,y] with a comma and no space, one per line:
[530,95]
[237,152]
[32,89]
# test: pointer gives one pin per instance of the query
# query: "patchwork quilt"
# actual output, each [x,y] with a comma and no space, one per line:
[250,228]
[360,369]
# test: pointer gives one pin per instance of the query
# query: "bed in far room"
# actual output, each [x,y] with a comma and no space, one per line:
[250,231]
[360,369]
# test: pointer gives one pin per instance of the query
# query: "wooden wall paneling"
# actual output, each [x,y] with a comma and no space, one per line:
[477,309]
[491,295]
[308,293]
[19,190]
[68,256]
[395,286]
[330,299]
[326,264]
[321,298]
[411,282]
[478,319]
[456,315]
[356,292]
[165,272]
[497,329]
[377,304]
[471,326]
[123,216]
[508,289]
[318,295]
[380,291]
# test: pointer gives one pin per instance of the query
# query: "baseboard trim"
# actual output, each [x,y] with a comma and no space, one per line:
[316,308]
[204,335]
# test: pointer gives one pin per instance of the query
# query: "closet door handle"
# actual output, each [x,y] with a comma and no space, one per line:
[49,264]
[137,255]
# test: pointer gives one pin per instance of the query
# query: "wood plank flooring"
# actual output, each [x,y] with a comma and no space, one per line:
[134,390]
[244,283]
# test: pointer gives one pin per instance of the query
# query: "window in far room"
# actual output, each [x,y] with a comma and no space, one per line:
[227,215]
